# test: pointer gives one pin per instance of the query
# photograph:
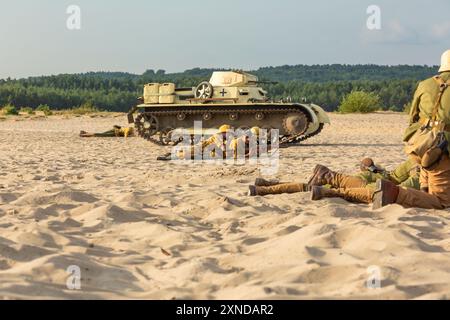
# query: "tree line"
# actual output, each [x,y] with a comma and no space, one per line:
[325,85]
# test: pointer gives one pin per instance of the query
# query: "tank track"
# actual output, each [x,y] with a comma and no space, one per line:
[303,137]
[286,140]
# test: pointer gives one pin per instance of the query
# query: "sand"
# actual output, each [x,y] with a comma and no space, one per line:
[141,229]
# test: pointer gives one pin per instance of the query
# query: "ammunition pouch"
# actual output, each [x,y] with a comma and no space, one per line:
[435,153]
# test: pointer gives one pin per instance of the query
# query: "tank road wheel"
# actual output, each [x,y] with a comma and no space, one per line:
[233,116]
[259,116]
[181,116]
[146,125]
[204,90]
[207,116]
[295,123]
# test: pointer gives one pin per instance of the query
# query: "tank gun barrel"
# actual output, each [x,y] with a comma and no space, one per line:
[263,82]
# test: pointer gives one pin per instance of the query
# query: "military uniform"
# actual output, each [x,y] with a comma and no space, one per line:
[216,142]
[436,178]
[212,144]
[115,132]
[358,187]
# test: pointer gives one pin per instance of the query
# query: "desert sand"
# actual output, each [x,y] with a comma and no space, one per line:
[143,229]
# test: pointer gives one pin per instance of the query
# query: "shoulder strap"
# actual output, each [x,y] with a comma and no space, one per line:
[442,86]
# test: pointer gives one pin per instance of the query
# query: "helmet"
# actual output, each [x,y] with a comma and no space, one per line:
[224,128]
[366,164]
[255,131]
[445,61]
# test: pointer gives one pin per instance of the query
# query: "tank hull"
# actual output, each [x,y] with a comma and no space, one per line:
[294,121]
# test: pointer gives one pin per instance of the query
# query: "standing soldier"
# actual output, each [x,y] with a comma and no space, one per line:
[430,109]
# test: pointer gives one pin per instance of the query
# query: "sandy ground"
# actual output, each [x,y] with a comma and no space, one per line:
[138,228]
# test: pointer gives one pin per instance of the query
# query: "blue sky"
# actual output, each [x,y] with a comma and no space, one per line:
[175,35]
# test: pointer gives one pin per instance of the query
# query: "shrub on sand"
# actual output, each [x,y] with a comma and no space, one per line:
[9,110]
[360,101]
[85,108]
[27,110]
[45,109]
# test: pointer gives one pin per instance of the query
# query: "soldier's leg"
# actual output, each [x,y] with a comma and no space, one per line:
[109,133]
[278,189]
[411,198]
[261,182]
[411,182]
[387,192]
[322,176]
[439,180]
[346,182]
[356,195]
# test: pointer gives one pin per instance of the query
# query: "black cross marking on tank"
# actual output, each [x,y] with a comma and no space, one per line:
[223,92]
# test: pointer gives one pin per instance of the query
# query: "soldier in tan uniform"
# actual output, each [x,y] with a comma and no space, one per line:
[243,142]
[361,188]
[358,187]
[432,98]
[207,147]
[116,131]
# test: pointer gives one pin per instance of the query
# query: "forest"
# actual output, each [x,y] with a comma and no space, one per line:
[325,85]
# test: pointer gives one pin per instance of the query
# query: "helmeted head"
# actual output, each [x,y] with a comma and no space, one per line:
[224,128]
[445,62]
[117,127]
[255,131]
[366,163]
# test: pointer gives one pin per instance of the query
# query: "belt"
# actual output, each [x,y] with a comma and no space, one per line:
[426,121]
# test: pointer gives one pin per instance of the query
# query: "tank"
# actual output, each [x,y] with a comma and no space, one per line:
[229,97]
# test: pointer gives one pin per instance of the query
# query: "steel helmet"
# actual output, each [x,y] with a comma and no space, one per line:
[445,61]
[224,128]
[255,131]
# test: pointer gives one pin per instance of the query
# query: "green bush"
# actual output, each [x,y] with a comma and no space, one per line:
[9,110]
[45,109]
[27,110]
[85,108]
[360,101]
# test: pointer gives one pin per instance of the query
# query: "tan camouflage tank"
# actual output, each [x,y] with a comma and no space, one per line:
[230,97]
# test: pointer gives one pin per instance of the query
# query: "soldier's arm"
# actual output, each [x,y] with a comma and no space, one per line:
[414,112]
[208,141]
[423,180]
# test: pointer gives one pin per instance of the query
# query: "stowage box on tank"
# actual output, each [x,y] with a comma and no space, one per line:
[230,97]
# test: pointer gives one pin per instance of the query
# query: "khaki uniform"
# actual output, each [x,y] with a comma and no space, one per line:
[438,181]
[242,142]
[437,178]
[360,187]
[213,143]
[122,132]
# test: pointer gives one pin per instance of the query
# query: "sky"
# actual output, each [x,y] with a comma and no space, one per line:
[176,35]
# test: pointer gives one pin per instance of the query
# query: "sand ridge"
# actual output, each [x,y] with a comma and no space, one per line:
[138,228]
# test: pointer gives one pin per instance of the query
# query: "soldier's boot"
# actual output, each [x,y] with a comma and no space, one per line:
[260,182]
[166,157]
[321,176]
[278,189]
[318,193]
[386,192]
[356,195]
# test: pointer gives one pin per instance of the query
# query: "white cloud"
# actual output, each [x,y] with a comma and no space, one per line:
[441,30]
[395,32]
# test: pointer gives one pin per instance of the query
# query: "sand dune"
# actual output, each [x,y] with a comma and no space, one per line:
[143,229]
